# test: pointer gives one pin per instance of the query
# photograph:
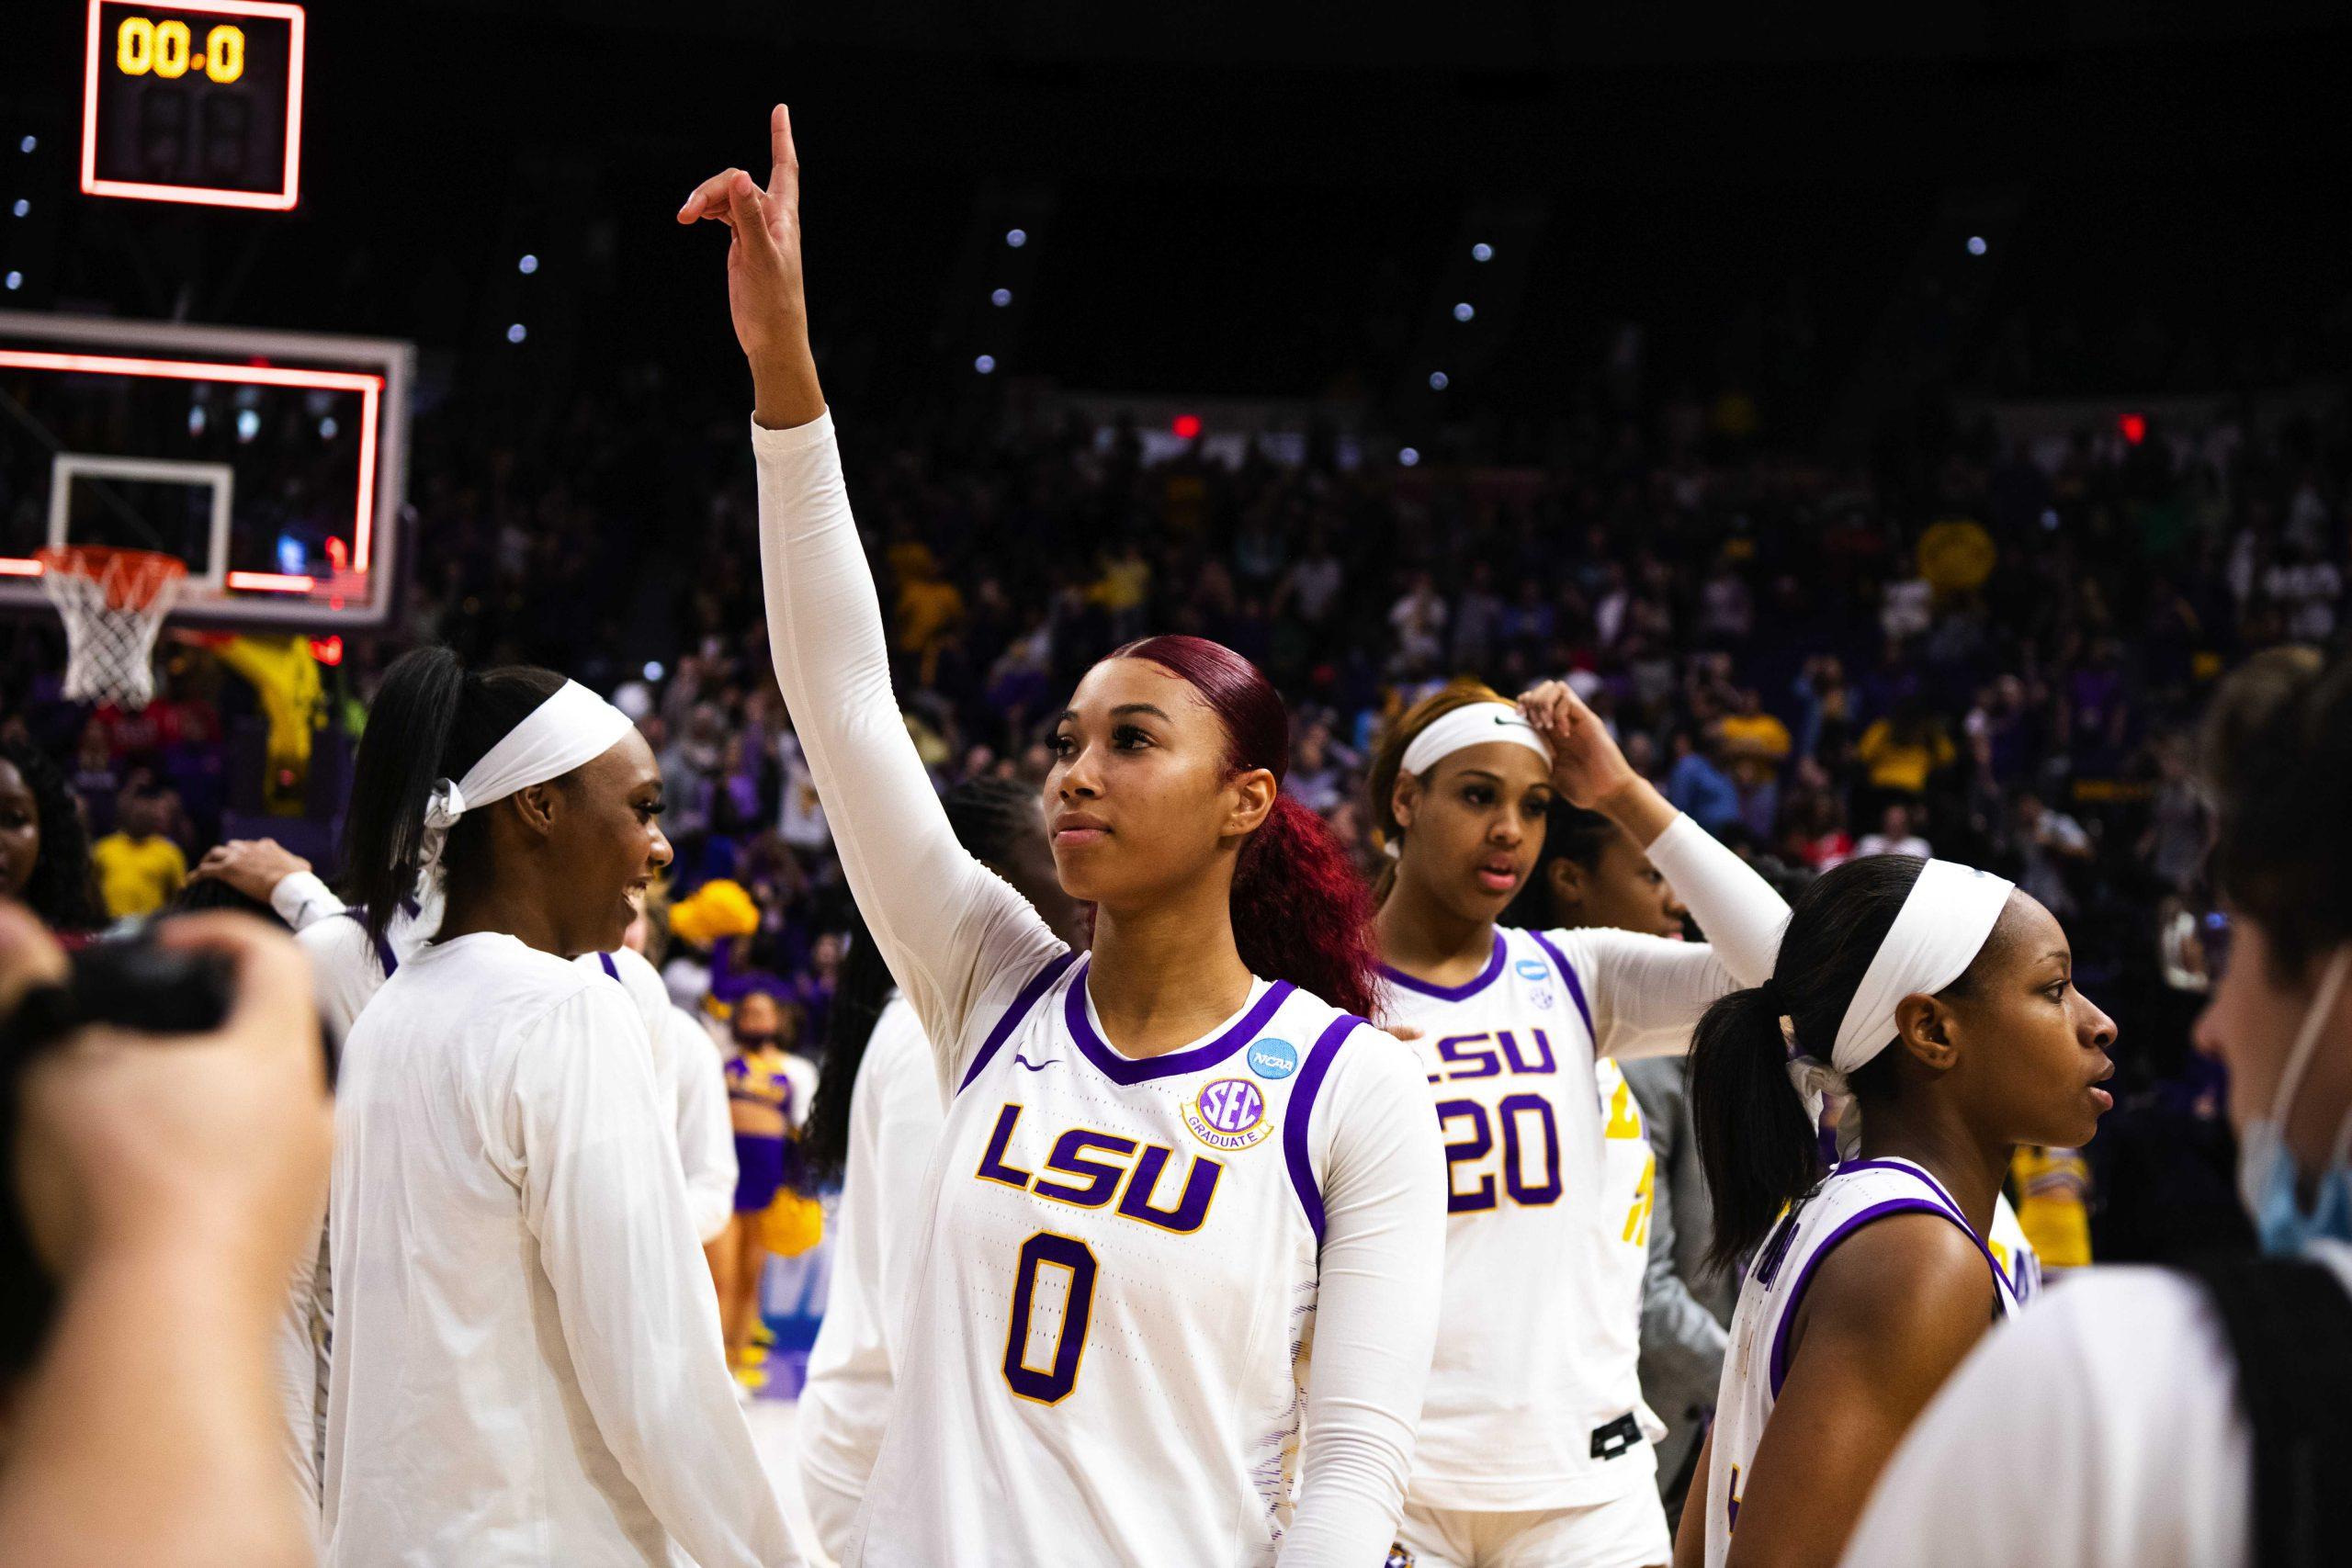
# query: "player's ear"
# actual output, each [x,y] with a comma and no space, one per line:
[536,805]
[1567,880]
[1253,793]
[1403,797]
[1923,1027]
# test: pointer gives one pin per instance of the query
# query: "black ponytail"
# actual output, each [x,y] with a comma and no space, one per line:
[861,988]
[431,720]
[989,817]
[1759,1147]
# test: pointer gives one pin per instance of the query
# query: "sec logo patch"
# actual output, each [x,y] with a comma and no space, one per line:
[1228,1115]
[1272,1058]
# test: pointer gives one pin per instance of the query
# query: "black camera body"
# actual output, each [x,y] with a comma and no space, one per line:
[136,985]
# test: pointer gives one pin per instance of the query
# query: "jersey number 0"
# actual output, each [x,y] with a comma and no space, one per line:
[1044,1250]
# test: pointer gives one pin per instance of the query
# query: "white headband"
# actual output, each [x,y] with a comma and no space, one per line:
[573,727]
[1951,911]
[1473,723]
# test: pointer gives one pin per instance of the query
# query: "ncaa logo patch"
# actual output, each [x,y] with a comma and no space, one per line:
[1228,1115]
[1533,969]
[1272,1058]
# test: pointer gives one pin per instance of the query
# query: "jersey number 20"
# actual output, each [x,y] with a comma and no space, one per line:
[1051,1384]
[1524,1118]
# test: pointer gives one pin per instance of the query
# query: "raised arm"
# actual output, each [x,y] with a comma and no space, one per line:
[1647,992]
[949,926]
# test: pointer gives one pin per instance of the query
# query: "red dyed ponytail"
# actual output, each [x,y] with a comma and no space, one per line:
[1300,912]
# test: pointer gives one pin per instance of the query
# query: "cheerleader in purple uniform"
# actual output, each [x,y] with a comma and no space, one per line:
[763,1102]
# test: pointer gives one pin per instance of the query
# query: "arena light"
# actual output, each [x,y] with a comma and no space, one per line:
[1438,381]
[1976,244]
[985,364]
[1409,457]
[370,387]
[1463,311]
[1001,297]
[272,581]
[2134,426]
[1482,252]
[327,650]
[527,266]
[1187,426]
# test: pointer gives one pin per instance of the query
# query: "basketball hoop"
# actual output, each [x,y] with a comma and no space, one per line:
[113,603]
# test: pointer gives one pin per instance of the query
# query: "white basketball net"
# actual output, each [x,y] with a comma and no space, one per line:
[113,603]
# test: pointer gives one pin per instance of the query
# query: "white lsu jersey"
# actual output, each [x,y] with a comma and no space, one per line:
[2005,1239]
[1534,1396]
[1121,1257]
[1852,1195]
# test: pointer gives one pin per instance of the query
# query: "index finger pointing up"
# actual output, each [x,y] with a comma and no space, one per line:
[783,169]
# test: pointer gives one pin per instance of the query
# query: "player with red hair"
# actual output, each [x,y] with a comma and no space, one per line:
[1169,1171]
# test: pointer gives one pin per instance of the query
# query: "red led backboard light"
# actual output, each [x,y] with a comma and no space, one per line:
[370,387]
[120,65]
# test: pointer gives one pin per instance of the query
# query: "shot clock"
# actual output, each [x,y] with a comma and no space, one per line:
[194,100]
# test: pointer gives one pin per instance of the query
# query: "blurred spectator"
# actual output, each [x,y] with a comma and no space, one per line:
[2054,848]
[1697,786]
[96,781]
[1895,836]
[44,853]
[1417,621]
[139,868]
[1901,750]
[1753,737]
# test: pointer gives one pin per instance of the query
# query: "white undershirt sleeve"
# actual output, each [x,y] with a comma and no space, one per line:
[706,1134]
[1377,1311]
[603,1193]
[1647,992]
[302,899]
[949,928]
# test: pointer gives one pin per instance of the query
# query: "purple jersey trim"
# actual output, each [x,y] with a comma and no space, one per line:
[1122,1070]
[1039,984]
[1300,1110]
[1852,1222]
[1486,978]
[1950,1203]
[610,967]
[1576,987]
[383,945]
[1941,1204]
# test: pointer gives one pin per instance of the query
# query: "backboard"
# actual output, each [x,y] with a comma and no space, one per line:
[274,464]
